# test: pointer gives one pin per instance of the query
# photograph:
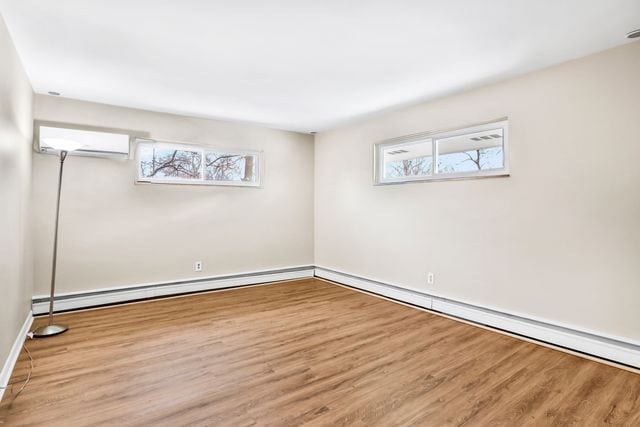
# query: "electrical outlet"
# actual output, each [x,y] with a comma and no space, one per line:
[197,266]
[431,279]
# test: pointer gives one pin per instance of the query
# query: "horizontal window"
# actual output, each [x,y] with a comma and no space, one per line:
[161,162]
[408,160]
[91,142]
[464,153]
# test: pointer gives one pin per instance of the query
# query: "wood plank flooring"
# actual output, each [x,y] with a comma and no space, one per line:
[304,352]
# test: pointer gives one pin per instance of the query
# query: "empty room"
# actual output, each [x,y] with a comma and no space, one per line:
[322,213]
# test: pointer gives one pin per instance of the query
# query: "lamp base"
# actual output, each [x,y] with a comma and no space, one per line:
[49,330]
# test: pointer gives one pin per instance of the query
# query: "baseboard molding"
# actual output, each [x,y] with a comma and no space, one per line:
[586,342]
[78,300]
[380,288]
[14,354]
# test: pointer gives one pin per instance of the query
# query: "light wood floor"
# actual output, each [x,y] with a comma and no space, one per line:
[305,352]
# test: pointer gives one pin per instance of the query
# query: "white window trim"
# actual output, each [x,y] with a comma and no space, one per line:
[378,158]
[202,149]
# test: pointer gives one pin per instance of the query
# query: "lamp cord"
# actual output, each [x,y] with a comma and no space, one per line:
[26,381]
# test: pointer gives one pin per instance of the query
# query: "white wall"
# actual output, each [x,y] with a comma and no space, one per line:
[16,98]
[116,233]
[558,240]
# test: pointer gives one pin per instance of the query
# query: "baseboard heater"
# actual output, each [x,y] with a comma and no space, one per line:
[614,349]
[120,295]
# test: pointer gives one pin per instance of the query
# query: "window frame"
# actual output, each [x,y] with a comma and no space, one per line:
[434,136]
[203,149]
[39,148]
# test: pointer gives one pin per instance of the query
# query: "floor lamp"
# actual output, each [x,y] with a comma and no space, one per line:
[64,146]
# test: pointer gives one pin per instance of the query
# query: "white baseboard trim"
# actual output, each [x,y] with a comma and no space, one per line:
[387,290]
[12,358]
[617,350]
[78,300]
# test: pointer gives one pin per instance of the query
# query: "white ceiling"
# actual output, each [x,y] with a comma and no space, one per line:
[304,65]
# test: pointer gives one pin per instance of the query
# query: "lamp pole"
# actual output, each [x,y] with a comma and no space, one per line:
[52,329]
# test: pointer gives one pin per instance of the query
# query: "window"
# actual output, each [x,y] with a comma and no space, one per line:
[161,162]
[475,151]
[96,143]
[409,160]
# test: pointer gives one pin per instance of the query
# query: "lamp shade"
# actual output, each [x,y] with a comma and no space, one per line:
[62,144]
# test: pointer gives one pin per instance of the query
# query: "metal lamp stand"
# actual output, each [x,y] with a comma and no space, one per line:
[51,328]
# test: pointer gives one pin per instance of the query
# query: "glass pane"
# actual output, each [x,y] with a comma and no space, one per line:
[170,163]
[472,152]
[413,159]
[230,167]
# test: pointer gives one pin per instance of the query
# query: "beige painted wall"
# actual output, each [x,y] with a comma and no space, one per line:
[558,240]
[16,99]
[116,233]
